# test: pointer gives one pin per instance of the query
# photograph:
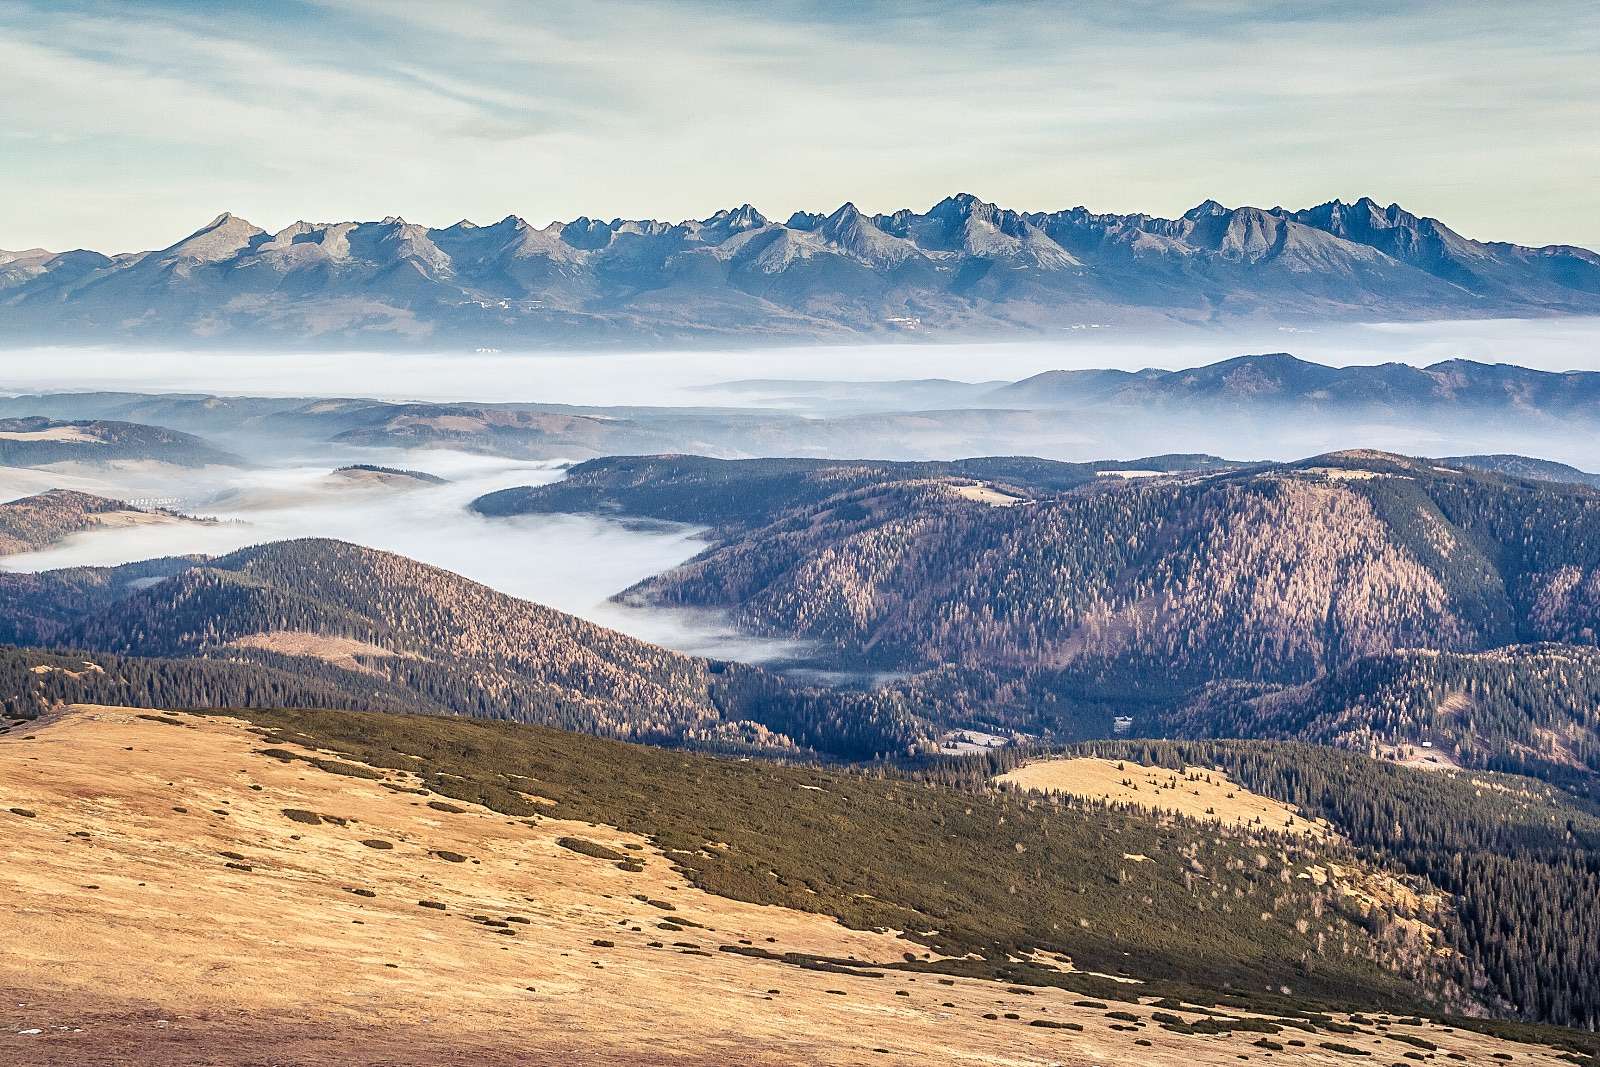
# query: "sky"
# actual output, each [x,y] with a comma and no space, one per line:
[124,126]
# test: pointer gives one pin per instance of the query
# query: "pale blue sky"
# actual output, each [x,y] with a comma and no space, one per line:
[125,125]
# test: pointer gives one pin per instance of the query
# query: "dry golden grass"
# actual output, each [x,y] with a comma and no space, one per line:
[162,907]
[1196,792]
[984,494]
[124,519]
[338,651]
[54,433]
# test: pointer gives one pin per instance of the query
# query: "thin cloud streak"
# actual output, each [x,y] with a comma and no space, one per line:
[143,127]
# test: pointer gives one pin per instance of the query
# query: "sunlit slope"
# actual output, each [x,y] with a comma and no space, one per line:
[231,882]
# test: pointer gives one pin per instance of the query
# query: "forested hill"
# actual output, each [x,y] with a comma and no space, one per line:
[422,638]
[36,521]
[1126,594]
[737,494]
[1271,574]
[1527,709]
[35,441]
[1520,859]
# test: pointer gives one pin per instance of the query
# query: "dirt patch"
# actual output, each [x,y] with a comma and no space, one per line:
[1427,759]
[335,651]
[984,494]
[50,668]
[69,434]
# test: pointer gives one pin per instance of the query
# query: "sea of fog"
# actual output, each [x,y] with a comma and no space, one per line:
[574,563]
[578,563]
[669,377]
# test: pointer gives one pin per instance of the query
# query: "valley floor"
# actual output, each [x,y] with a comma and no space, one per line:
[176,895]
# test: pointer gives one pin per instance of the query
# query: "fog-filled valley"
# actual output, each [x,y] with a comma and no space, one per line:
[571,562]
[908,402]
[865,401]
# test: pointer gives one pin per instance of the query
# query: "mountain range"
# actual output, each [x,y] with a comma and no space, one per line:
[964,267]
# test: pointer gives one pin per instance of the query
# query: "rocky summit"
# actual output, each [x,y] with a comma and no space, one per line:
[963,268]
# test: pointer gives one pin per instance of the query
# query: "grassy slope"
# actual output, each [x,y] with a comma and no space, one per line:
[1521,857]
[983,874]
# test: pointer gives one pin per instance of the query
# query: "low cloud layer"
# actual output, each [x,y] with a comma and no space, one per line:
[573,563]
[680,378]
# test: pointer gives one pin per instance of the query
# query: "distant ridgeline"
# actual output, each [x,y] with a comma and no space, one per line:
[964,267]
[36,441]
[1231,402]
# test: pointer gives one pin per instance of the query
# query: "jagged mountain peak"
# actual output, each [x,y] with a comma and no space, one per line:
[731,220]
[222,237]
[744,216]
[584,232]
[1206,209]
[965,264]
[963,206]
[226,222]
